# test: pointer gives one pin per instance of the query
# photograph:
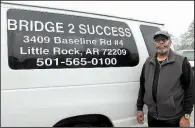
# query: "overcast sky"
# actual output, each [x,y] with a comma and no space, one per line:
[176,15]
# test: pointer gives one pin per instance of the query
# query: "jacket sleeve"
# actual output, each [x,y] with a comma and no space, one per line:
[140,102]
[187,81]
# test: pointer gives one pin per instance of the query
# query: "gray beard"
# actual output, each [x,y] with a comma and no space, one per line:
[162,52]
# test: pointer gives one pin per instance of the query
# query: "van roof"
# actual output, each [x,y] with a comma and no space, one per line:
[126,18]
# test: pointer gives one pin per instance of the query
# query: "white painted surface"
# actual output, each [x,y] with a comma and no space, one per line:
[44,97]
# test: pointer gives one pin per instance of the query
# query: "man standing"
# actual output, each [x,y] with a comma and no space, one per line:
[166,86]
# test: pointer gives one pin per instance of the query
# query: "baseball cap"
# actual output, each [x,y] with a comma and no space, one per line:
[165,33]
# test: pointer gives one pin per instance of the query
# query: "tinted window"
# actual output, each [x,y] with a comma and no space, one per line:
[148,33]
[39,40]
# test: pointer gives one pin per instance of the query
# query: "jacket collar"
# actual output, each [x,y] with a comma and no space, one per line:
[171,58]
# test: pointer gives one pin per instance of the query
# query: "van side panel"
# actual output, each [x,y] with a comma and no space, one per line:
[42,97]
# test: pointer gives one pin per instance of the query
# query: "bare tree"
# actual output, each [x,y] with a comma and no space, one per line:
[187,38]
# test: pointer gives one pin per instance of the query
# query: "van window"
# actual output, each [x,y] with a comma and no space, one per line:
[41,40]
[148,33]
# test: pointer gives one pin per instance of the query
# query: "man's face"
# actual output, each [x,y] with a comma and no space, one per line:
[162,44]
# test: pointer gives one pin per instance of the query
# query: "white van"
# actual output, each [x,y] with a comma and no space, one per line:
[189,54]
[68,68]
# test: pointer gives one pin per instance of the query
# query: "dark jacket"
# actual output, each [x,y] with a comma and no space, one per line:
[174,87]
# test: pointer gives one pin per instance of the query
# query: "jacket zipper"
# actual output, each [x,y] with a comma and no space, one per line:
[157,93]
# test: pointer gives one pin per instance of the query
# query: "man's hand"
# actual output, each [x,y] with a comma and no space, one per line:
[184,122]
[140,117]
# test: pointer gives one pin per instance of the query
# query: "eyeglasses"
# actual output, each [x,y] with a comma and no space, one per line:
[161,38]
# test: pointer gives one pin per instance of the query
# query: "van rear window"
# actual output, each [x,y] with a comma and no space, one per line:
[148,33]
[42,40]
